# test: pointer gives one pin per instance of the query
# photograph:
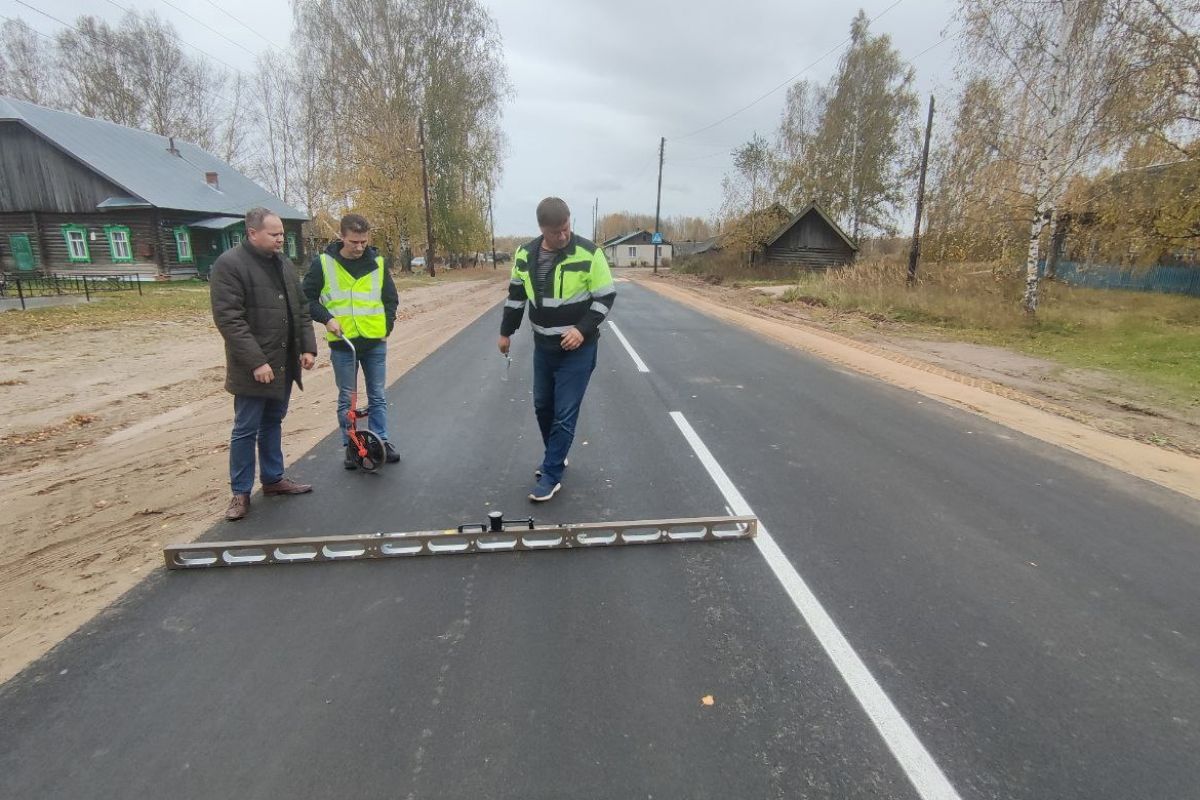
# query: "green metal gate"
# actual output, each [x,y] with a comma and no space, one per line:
[22,251]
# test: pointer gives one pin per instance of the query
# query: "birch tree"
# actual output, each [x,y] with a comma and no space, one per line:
[745,195]
[851,146]
[1066,72]
[976,207]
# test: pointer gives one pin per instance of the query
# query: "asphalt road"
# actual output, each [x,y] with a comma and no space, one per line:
[1027,622]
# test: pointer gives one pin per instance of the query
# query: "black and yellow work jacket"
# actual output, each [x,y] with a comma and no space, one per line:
[578,292]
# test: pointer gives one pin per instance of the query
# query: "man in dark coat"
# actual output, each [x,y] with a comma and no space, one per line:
[260,310]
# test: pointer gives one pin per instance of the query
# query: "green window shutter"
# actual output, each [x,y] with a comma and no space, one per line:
[76,237]
[183,244]
[120,243]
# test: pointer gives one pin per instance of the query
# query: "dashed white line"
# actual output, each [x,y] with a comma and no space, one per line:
[637,360]
[926,777]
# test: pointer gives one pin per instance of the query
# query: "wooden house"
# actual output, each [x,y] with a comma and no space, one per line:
[87,196]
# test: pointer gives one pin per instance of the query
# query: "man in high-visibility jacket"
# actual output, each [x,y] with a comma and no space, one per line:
[352,294]
[565,281]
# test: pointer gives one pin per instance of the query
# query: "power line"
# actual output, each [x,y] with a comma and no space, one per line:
[244,25]
[727,149]
[175,36]
[936,44]
[787,82]
[205,24]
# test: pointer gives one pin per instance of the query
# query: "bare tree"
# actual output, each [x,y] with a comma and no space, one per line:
[399,60]
[27,65]
[92,61]
[136,74]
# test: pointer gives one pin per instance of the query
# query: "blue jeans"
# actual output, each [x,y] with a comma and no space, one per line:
[257,425]
[345,374]
[560,377]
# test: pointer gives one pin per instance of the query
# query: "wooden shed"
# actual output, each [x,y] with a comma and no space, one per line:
[810,240]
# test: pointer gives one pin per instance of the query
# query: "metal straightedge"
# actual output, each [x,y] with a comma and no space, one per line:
[498,535]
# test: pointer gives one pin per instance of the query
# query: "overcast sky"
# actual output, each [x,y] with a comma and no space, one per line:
[597,82]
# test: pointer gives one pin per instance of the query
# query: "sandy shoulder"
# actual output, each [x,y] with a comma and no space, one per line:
[118,438]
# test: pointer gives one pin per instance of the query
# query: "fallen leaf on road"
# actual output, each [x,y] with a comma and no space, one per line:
[707,700]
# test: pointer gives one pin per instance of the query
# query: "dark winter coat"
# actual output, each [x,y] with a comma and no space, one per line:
[262,313]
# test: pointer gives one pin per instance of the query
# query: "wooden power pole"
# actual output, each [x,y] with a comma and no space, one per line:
[914,255]
[492,223]
[662,143]
[425,188]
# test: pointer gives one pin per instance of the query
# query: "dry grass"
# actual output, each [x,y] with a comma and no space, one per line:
[730,269]
[1151,336]
[176,300]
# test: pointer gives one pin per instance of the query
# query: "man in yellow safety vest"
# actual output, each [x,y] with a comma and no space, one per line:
[351,292]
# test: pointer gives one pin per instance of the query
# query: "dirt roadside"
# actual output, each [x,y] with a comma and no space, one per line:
[1099,434]
[116,439]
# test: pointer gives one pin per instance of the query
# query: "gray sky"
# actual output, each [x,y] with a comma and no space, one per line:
[597,82]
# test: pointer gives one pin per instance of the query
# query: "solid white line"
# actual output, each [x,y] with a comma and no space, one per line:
[914,759]
[637,360]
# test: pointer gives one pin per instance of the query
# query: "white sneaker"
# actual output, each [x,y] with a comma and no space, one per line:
[543,491]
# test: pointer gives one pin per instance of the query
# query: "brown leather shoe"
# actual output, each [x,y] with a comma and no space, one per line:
[286,486]
[239,506]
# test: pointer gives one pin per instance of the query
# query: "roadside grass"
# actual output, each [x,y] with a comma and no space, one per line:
[176,300]
[1149,336]
[172,301]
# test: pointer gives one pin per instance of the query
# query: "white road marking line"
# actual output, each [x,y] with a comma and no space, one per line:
[637,360]
[926,777]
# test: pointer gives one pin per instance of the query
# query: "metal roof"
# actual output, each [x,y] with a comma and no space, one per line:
[139,162]
[216,223]
[626,237]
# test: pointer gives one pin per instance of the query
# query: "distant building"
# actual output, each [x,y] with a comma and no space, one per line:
[636,250]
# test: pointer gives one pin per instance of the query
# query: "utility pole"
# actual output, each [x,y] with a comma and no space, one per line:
[662,143]
[425,187]
[492,223]
[914,255]
[595,218]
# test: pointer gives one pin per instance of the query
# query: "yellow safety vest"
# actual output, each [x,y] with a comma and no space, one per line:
[357,304]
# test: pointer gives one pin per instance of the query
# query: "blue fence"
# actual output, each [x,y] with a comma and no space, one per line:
[1174,280]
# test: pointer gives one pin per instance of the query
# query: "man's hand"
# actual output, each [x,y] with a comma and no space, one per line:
[264,374]
[333,326]
[307,360]
[504,343]
[572,339]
